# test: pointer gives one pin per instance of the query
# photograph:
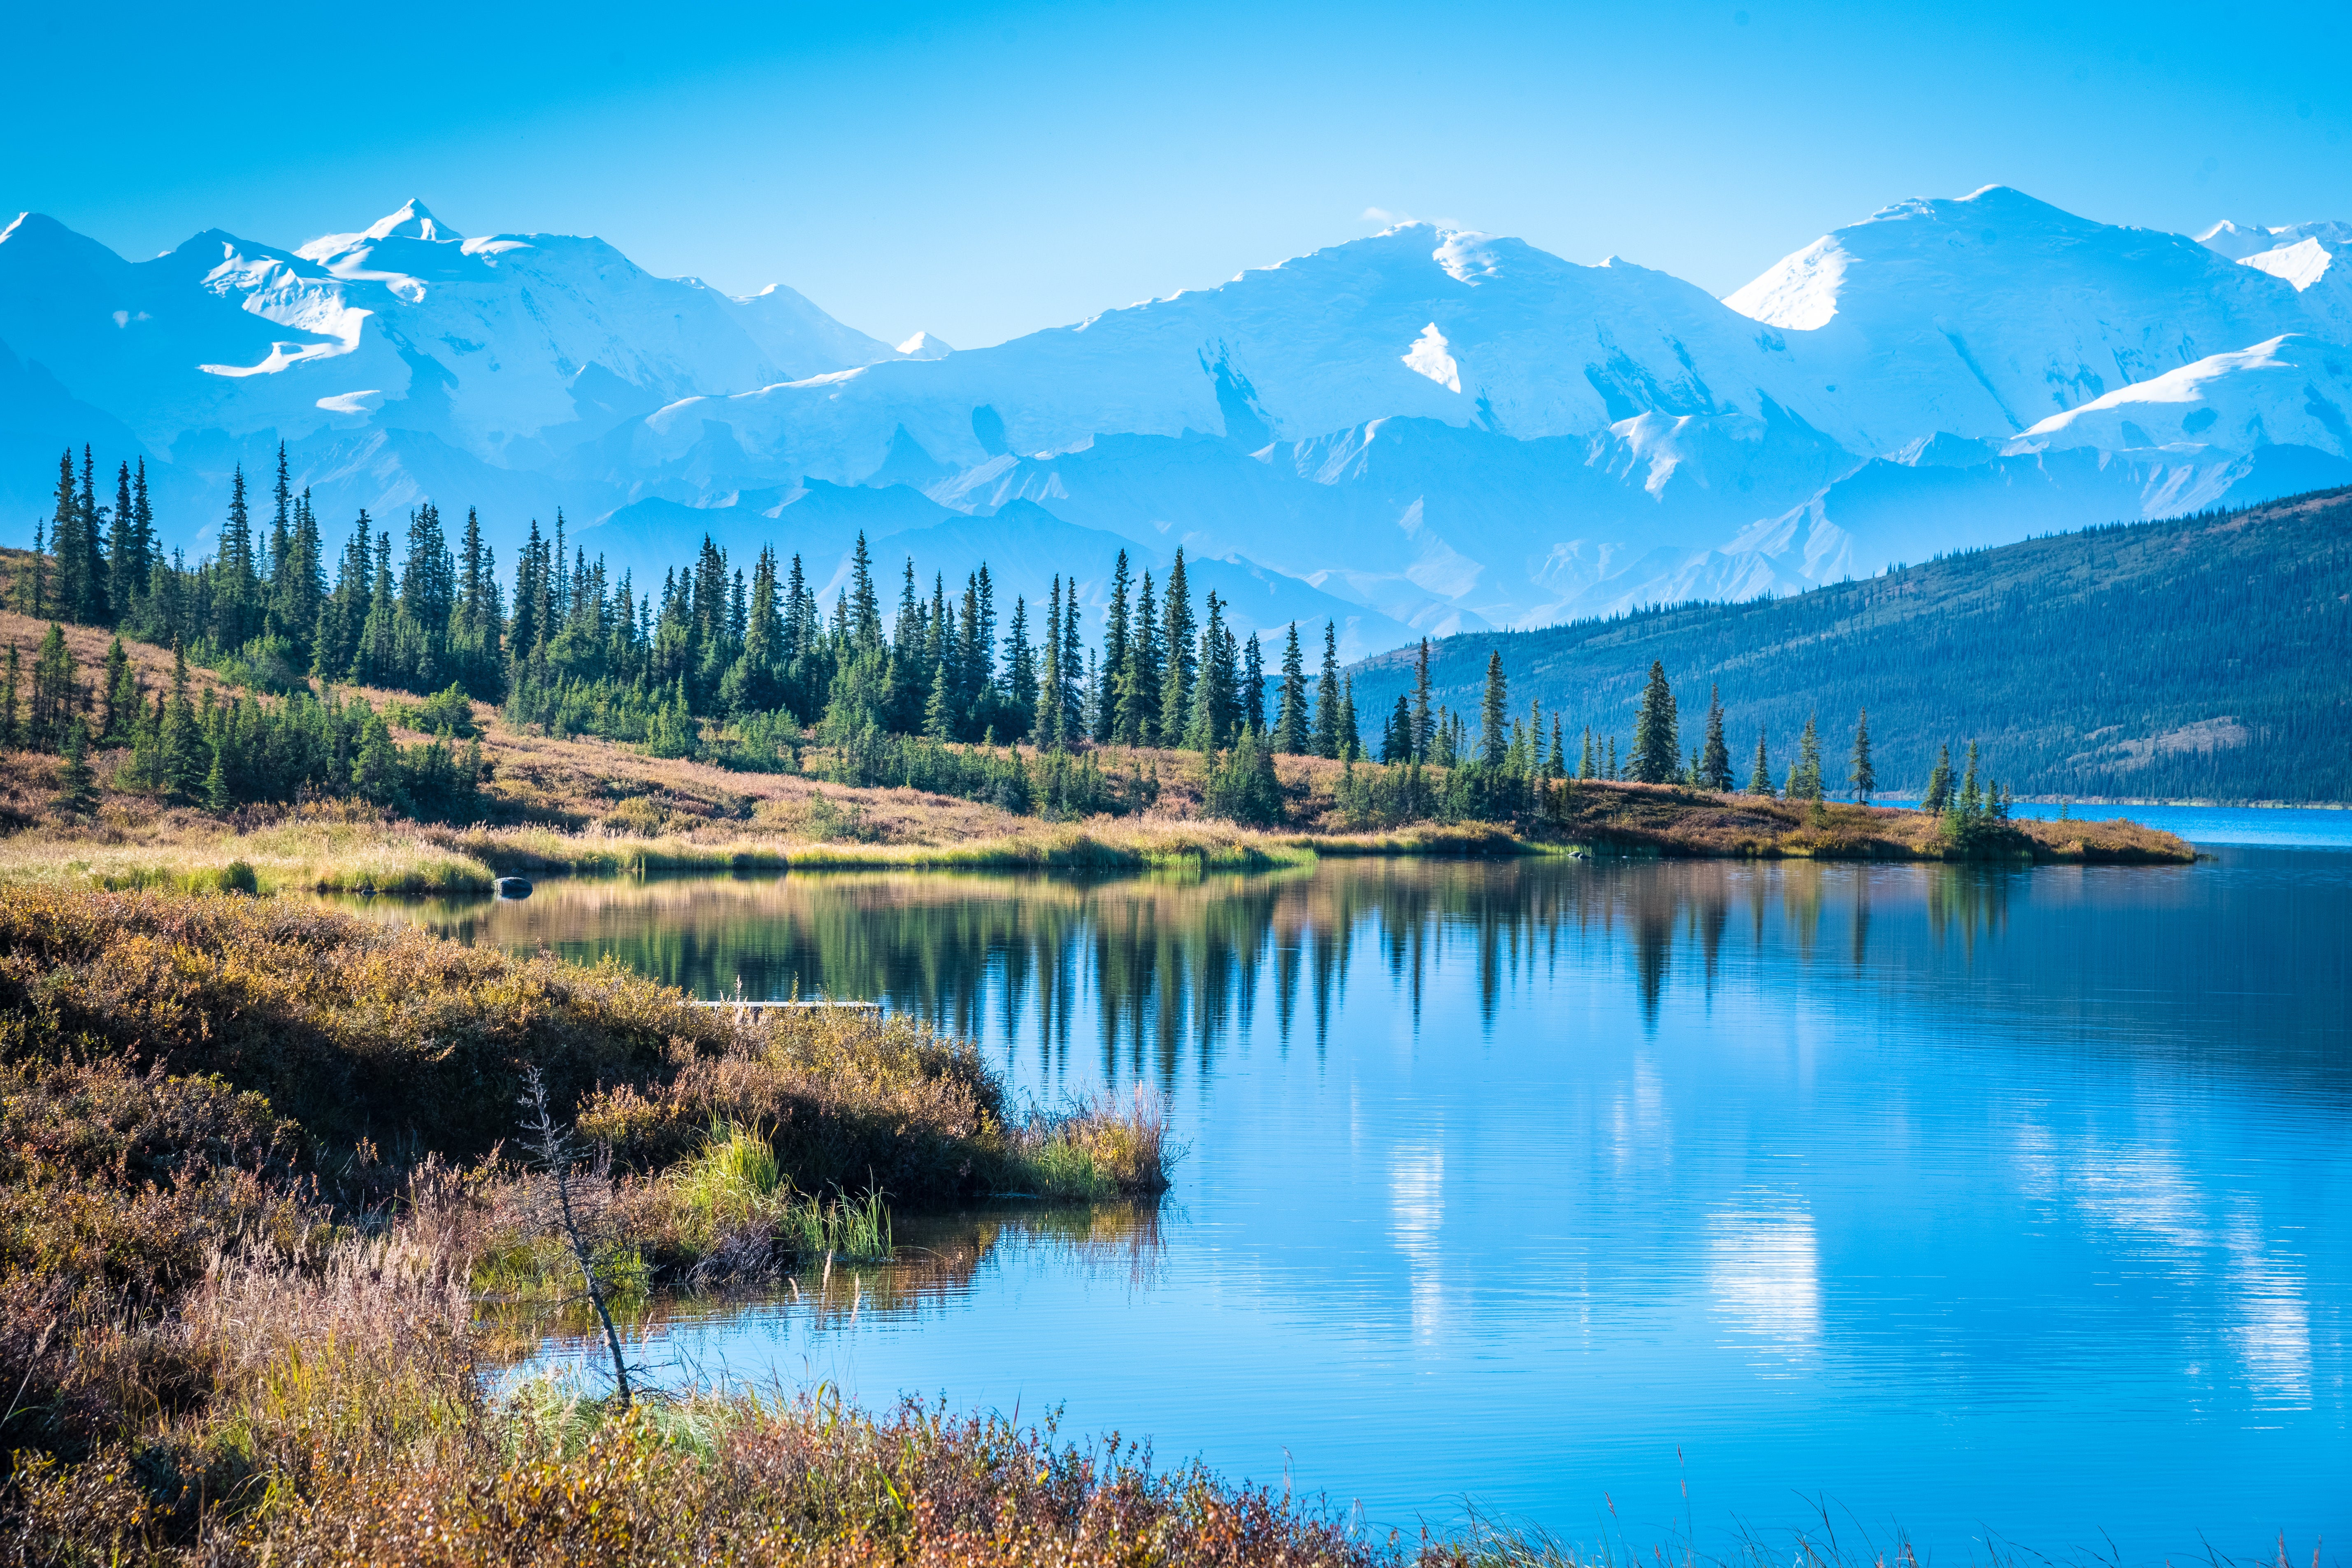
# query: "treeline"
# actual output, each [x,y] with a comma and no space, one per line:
[2201,656]
[753,671]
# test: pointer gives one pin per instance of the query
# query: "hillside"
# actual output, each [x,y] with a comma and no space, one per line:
[2207,657]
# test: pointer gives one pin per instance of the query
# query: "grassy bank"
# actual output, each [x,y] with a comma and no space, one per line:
[220,1113]
[344,849]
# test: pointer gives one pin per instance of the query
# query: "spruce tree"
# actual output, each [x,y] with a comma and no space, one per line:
[1614,775]
[1590,768]
[1113,652]
[1805,776]
[939,722]
[1558,762]
[1396,736]
[1492,708]
[1864,778]
[1290,712]
[1047,728]
[1178,632]
[1254,684]
[123,705]
[76,784]
[1327,695]
[1971,798]
[63,523]
[1760,781]
[1715,761]
[12,734]
[1352,739]
[1423,723]
[1938,798]
[1657,745]
[216,795]
[1138,721]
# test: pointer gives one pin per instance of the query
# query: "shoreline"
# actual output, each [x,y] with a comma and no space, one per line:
[341,850]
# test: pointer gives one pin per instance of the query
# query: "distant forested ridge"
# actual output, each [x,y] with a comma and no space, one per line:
[2207,657]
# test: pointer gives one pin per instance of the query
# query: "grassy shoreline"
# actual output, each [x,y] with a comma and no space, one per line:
[345,849]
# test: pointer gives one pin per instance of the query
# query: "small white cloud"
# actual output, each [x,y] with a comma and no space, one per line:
[1382,215]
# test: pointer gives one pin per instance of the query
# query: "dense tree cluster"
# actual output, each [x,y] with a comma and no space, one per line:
[752,671]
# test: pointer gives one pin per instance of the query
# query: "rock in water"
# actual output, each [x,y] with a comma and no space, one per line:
[511,887]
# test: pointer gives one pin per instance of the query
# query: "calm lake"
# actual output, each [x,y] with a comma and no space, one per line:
[1999,1205]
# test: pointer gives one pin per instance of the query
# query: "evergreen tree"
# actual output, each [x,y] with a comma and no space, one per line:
[180,739]
[939,723]
[236,585]
[865,608]
[65,533]
[1242,786]
[1614,775]
[281,526]
[1114,653]
[76,785]
[1714,770]
[1327,695]
[123,704]
[1177,631]
[1491,711]
[1657,744]
[1254,684]
[54,694]
[1136,721]
[1971,804]
[1290,712]
[1425,723]
[1590,766]
[1047,728]
[1396,735]
[1760,781]
[1805,774]
[1938,798]
[1864,779]
[1559,760]
[216,795]
[1352,739]
[12,735]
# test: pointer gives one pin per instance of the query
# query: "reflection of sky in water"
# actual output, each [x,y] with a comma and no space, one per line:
[1986,1201]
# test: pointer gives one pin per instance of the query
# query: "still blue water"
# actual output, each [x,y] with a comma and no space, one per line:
[1991,1204]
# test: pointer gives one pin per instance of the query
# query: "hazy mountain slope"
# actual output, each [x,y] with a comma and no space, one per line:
[1416,322]
[2199,656]
[2289,391]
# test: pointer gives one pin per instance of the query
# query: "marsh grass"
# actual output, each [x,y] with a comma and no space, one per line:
[1101,1147]
[735,1214]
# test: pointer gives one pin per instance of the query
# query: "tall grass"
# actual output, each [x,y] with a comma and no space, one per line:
[737,1214]
[1101,1147]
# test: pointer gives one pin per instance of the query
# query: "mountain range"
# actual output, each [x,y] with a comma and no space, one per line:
[1426,431]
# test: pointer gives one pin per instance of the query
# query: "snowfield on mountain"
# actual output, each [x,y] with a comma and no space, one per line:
[1425,430]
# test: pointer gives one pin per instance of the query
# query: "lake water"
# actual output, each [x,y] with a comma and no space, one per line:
[1993,1205]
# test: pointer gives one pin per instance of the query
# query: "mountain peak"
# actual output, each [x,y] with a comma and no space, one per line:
[412,221]
[923,345]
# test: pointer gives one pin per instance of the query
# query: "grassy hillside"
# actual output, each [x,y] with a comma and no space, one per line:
[2200,658]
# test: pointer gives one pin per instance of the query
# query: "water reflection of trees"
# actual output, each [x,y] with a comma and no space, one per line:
[1157,971]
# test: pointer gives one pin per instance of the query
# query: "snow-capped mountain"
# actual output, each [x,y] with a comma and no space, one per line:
[1434,429]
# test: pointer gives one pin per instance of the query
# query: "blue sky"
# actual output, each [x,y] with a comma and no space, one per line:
[982,171]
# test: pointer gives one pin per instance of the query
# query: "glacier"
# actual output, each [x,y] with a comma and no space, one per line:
[1423,431]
